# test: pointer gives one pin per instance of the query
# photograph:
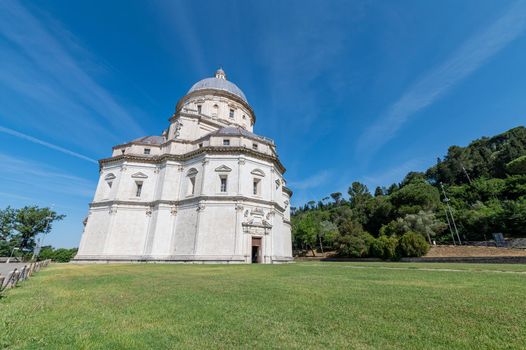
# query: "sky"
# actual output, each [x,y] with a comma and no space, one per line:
[349,90]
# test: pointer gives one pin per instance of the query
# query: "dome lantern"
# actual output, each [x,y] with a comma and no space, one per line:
[220,74]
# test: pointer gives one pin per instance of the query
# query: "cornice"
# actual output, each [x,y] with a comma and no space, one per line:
[287,190]
[220,93]
[218,123]
[191,200]
[157,159]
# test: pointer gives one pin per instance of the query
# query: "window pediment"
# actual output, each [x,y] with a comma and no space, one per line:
[223,169]
[139,175]
[110,176]
[258,172]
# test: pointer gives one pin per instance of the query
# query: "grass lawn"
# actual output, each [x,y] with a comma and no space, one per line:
[302,305]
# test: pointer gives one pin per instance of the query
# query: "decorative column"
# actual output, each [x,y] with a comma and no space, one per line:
[240,163]
[239,209]
[200,208]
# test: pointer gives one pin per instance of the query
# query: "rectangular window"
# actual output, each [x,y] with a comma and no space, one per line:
[199,109]
[231,113]
[226,142]
[139,189]
[146,151]
[200,145]
[255,146]
[255,187]
[110,183]
[223,183]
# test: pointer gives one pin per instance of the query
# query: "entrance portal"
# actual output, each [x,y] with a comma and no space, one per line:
[256,250]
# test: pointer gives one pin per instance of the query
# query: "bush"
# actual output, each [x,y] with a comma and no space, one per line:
[412,244]
[384,247]
[64,255]
[57,255]
[355,245]
[393,228]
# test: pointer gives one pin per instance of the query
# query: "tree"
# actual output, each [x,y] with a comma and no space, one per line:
[378,191]
[413,176]
[305,229]
[425,223]
[328,233]
[7,227]
[517,166]
[31,221]
[337,197]
[415,196]
[358,194]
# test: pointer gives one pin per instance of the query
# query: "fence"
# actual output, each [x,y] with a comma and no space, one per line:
[15,276]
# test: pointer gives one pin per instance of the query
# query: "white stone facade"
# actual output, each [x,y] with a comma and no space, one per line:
[207,190]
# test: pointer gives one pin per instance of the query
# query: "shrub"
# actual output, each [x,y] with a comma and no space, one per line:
[412,244]
[64,255]
[355,245]
[393,228]
[384,247]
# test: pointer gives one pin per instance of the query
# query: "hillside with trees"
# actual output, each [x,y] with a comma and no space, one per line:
[468,195]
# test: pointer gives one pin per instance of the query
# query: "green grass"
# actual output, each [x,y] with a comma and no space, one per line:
[303,305]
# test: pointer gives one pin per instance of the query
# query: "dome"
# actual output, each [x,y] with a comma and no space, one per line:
[218,82]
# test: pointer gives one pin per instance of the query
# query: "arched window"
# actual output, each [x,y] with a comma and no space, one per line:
[191,175]
[215,110]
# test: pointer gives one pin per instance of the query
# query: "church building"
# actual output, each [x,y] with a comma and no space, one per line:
[208,190]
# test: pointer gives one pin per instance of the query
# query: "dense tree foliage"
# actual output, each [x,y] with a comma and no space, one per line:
[57,255]
[20,227]
[485,185]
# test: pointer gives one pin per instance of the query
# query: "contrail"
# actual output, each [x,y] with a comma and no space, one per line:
[45,144]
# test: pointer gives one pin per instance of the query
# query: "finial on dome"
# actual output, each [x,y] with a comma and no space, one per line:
[220,74]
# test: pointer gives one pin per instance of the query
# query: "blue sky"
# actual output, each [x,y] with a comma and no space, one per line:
[350,90]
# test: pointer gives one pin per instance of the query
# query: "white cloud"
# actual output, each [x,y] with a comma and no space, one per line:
[44,65]
[311,181]
[40,179]
[395,174]
[440,80]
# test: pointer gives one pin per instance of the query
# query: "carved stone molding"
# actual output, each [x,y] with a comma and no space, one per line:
[200,207]
[223,169]
[258,172]
[222,198]
[139,175]
[112,210]
[239,207]
[233,150]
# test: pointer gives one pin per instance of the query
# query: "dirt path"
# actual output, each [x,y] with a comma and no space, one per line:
[470,251]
